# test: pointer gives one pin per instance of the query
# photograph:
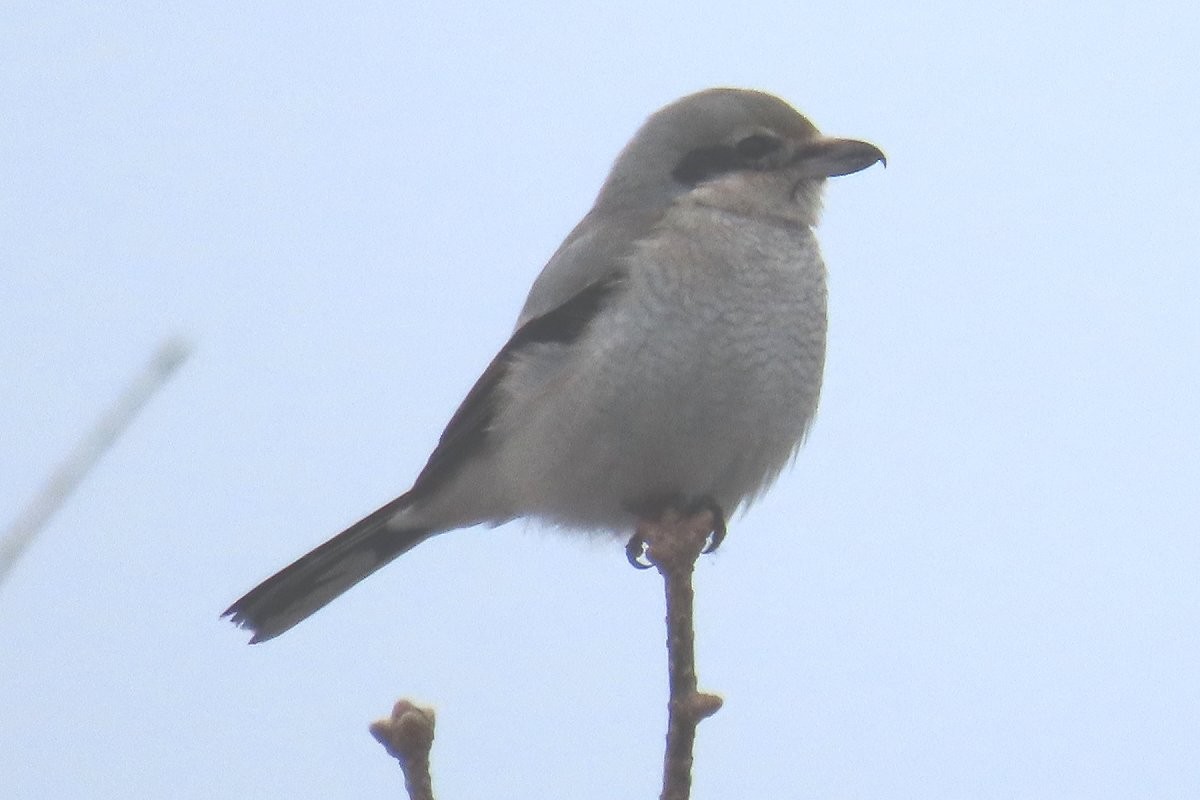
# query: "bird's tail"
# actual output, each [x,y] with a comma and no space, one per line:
[307,585]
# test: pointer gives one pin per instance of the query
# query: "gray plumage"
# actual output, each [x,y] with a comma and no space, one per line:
[672,347]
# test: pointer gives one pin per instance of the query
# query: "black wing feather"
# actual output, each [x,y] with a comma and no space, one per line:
[467,432]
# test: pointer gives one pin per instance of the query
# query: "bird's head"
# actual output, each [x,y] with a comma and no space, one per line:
[738,150]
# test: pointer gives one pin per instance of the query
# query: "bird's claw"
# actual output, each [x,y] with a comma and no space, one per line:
[714,539]
[719,529]
[635,551]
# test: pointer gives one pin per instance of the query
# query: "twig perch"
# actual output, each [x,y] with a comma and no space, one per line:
[673,543]
[408,736]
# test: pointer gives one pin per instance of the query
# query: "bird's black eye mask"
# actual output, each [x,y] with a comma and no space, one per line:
[704,163]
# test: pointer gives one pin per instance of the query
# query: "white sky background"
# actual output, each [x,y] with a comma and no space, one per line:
[981,580]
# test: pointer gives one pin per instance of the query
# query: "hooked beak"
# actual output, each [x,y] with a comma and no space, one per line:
[826,157]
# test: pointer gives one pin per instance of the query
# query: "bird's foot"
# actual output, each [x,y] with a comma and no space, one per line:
[718,514]
[656,508]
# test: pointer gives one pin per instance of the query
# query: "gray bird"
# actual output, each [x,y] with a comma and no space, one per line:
[669,354]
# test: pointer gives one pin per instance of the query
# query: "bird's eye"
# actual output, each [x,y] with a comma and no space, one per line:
[756,145]
[705,163]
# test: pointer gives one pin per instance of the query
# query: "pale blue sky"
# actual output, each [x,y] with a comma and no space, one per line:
[981,579]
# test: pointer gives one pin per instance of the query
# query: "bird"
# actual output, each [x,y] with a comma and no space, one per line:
[670,353]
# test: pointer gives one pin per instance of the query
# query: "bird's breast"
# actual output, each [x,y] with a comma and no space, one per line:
[699,378]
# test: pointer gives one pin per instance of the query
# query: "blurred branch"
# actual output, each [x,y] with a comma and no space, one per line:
[71,472]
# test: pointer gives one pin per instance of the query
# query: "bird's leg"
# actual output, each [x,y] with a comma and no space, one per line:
[649,508]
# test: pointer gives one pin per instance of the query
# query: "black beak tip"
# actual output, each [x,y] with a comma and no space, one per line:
[873,155]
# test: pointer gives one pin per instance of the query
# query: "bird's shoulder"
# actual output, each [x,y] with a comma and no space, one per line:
[594,252]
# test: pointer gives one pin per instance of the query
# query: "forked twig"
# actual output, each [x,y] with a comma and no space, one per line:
[408,736]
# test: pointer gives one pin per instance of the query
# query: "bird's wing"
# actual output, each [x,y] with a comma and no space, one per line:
[468,430]
[588,267]
[598,247]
